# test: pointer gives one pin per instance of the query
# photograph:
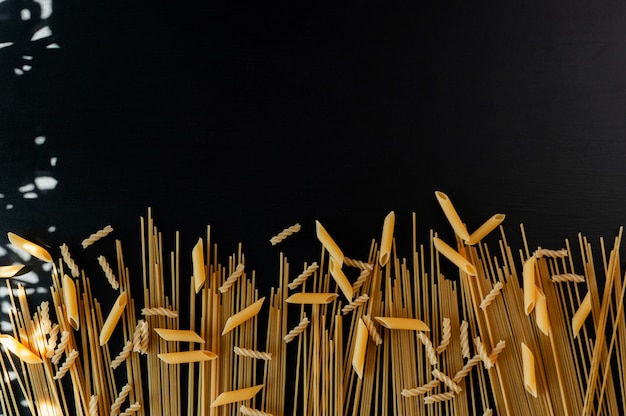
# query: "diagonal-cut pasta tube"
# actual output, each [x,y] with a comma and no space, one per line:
[113,318]
[236,395]
[179,335]
[184,357]
[328,243]
[386,239]
[453,218]
[29,247]
[341,279]
[528,275]
[71,303]
[308,298]
[581,314]
[19,349]
[487,227]
[454,256]
[360,345]
[197,259]
[10,271]
[410,324]
[528,366]
[242,316]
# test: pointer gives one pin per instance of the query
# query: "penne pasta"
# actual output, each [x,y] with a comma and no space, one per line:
[581,314]
[341,279]
[386,238]
[453,218]
[308,298]
[528,275]
[10,271]
[236,395]
[360,345]
[528,366]
[487,227]
[409,324]
[454,256]
[71,303]
[541,312]
[184,357]
[19,349]
[113,318]
[29,247]
[179,335]
[242,316]
[197,259]
[328,243]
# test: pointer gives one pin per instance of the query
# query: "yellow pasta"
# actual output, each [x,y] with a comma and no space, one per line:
[308,298]
[360,345]
[184,357]
[528,274]
[97,236]
[179,335]
[19,349]
[482,231]
[10,271]
[410,324]
[71,304]
[386,238]
[113,318]
[528,366]
[284,234]
[341,279]
[236,395]
[454,256]
[453,218]
[581,314]
[240,317]
[197,259]
[30,247]
[541,312]
[328,243]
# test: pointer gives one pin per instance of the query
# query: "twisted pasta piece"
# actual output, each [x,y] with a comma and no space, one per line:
[493,293]
[361,300]
[132,409]
[141,337]
[567,277]
[430,351]
[93,405]
[303,276]
[463,372]
[170,313]
[67,364]
[44,317]
[252,353]
[447,381]
[436,398]
[67,258]
[358,264]
[252,412]
[121,357]
[52,340]
[361,279]
[445,336]
[544,252]
[108,272]
[297,330]
[493,357]
[117,404]
[418,391]
[481,350]
[372,330]
[284,234]
[97,236]
[488,412]
[65,339]
[232,278]
[465,352]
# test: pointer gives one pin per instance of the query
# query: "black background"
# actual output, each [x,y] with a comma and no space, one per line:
[253,117]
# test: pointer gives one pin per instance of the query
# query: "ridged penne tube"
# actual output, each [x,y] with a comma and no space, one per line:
[197,260]
[113,318]
[10,271]
[71,303]
[528,366]
[29,247]
[360,346]
[581,314]
[386,239]
[242,316]
[453,218]
[528,275]
[454,256]
[341,279]
[309,298]
[179,335]
[541,312]
[410,324]
[236,395]
[328,243]
[97,236]
[184,357]
[487,227]
[19,349]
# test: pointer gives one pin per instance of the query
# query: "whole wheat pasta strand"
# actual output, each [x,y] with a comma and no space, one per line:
[67,258]
[97,236]
[361,300]
[567,277]
[445,336]
[260,355]
[418,391]
[67,364]
[119,401]
[544,252]
[303,276]
[131,410]
[436,398]
[232,278]
[430,351]
[297,330]
[447,381]
[358,264]
[284,234]
[372,330]
[252,412]
[361,279]
[493,293]
[108,272]
[93,405]
[160,311]
[465,352]
[65,338]
[462,373]
[121,357]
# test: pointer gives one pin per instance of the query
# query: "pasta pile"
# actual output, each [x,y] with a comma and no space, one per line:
[535,331]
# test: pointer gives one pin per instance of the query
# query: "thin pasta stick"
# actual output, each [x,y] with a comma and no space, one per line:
[581,314]
[453,218]
[454,256]
[183,357]
[541,312]
[29,247]
[19,349]
[328,243]
[236,395]
[341,279]
[528,365]
[113,318]
[10,271]
[71,304]
[528,274]
[410,324]
[386,238]
[360,345]
[482,231]
[197,258]
[242,316]
[179,335]
[308,298]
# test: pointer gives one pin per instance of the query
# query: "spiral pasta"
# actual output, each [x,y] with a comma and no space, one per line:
[418,391]
[361,279]
[436,398]
[160,311]
[93,405]
[108,272]
[67,258]
[141,337]
[132,409]
[97,236]
[121,357]
[252,353]
[252,412]
[232,278]
[65,338]
[493,293]
[303,276]
[567,277]
[445,337]
[555,254]
[465,352]
[358,264]
[372,330]
[361,300]
[430,351]
[284,234]
[463,372]
[52,340]
[67,364]
[117,404]
[44,317]
[493,356]
[297,330]
[447,381]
